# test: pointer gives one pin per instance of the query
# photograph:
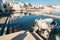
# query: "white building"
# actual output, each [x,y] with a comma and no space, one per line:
[16,7]
[57,6]
[4,1]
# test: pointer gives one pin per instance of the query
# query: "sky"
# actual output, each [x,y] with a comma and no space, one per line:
[44,2]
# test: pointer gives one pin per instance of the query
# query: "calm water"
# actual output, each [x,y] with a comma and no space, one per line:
[26,23]
[56,13]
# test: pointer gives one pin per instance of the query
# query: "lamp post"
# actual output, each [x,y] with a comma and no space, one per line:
[1,6]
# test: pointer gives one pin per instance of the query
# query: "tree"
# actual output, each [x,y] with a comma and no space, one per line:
[49,5]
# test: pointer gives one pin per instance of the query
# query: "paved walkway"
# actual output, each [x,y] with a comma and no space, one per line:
[21,35]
